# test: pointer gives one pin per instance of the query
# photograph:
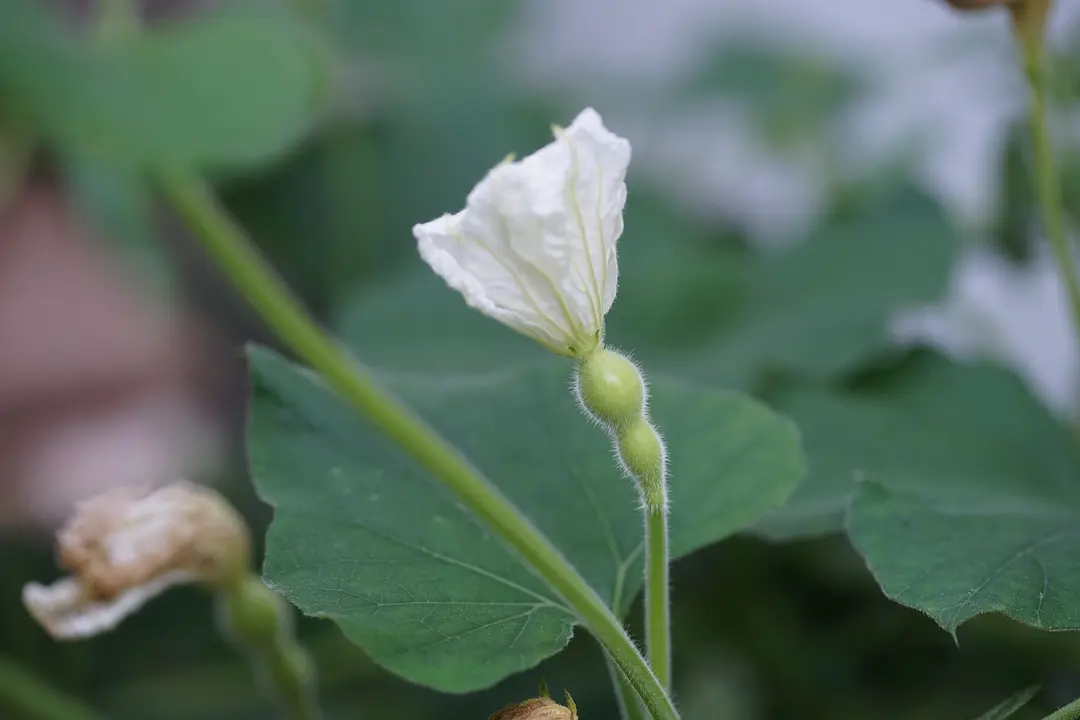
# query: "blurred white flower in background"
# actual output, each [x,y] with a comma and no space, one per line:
[1018,316]
[535,246]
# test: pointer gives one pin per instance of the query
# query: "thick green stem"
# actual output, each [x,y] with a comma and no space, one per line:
[627,699]
[29,697]
[1029,23]
[249,272]
[657,601]
[1069,712]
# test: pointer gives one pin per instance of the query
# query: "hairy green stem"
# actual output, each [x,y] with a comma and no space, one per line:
[657,591]
[625,697]
[1069,712]
[1029,24]
[612,391]
[253,277]
[30,697]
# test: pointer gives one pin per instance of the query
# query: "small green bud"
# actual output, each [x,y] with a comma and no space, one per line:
[252,613]
[610,388]
[644,456]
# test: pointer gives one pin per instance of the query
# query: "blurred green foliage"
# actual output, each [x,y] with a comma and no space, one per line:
[330,139]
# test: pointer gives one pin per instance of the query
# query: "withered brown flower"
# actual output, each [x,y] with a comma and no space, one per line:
[128,545]
[541,708]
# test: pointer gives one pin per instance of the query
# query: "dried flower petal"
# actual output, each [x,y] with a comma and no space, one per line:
[127,546]
[68,611]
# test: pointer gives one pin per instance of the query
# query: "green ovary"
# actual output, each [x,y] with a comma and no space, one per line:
[610,387]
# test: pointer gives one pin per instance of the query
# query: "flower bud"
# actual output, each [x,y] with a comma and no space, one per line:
[610,388]
[126,546]
[542,708]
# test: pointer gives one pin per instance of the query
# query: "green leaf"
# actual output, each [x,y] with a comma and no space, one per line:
[926,423]
[822,308]
[231,87]
[965,490]
[363,536]
[1009,707]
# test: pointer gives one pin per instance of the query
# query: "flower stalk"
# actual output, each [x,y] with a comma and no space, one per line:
[1029,20]
[625,697]
[258,622]
[612,391]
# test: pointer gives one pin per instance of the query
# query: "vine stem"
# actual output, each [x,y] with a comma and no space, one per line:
[1069,712]
[268,295]
[627,699]
[657,595]
[1029,19]
[22,692]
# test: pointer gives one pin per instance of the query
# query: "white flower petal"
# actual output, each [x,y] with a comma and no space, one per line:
[601,160]
[535,246]
[67,611]
[482,270]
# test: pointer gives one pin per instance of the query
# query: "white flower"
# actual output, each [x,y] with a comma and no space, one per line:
[1016,315]
[534,247]
[127,546]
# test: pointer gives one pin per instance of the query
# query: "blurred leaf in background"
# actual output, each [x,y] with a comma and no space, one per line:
[823,307]
[925,426]
[233,87]
[791,97]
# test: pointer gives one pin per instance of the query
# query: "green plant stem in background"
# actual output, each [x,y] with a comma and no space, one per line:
[657,595]
[1069,712]
[1029,23]
[258,621]
[33,699]
[254,278]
